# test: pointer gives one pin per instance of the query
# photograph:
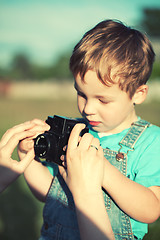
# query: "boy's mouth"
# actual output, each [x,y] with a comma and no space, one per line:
[94,123]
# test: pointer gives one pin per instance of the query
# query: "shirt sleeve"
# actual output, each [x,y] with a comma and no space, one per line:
[52,167]
[147,172]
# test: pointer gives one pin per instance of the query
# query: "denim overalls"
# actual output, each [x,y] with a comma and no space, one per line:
[60,222]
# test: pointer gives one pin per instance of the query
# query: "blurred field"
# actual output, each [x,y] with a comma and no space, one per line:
[20,212]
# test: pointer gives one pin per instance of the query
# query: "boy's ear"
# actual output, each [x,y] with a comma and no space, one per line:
[140,94]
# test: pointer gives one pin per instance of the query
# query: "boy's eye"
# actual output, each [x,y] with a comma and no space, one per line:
[103,101]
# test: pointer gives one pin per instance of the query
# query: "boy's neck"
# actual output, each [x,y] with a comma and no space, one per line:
[124,125]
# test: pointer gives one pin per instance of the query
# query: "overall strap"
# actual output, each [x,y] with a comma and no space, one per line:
[136,130]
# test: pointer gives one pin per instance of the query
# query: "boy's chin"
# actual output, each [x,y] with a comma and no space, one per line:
[97,128]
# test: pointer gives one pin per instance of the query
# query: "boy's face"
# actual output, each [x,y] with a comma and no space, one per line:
[107,109]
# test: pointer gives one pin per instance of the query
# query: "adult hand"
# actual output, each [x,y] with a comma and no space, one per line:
[10,169]
[84,176]
[85,161]
[26,145]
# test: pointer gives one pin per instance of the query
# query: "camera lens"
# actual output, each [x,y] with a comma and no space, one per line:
[41,146]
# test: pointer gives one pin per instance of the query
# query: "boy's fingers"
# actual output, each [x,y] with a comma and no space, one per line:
[25,146]
[74,136]
[22,165]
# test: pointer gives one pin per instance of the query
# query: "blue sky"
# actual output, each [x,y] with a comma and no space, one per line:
[44,29]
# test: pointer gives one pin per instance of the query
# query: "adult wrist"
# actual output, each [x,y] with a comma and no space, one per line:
[82,197]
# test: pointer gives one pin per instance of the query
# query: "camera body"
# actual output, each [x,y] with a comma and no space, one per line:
[49,145]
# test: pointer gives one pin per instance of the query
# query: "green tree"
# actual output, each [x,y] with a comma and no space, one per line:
[151,21]
[21,67]
[61,69]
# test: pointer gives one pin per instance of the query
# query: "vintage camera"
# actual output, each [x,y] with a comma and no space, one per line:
[49,145]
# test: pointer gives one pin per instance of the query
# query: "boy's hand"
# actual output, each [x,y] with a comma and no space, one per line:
[85,161]
[10,169]
[26,145]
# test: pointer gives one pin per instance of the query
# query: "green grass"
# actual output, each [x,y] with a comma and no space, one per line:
[17,111]
[20,212]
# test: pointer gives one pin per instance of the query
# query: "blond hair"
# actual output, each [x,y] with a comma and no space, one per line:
[118,54]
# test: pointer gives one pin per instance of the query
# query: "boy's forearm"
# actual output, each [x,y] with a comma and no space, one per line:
[38,179]
[92,217]
[134,199]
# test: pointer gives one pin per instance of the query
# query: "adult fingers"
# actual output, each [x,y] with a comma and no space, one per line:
[14,140]
[85,141]
[38,122]
[16,129]
[38,129]
[100,153]
[74,136]
[94,145]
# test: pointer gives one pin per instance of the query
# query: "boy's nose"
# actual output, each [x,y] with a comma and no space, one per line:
[89,108]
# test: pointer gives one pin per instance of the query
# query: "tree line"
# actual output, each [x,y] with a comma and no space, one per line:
[21,66]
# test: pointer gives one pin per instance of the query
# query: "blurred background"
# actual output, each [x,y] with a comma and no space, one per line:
[36,41]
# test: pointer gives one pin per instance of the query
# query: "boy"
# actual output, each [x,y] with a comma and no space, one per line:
[111,65]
